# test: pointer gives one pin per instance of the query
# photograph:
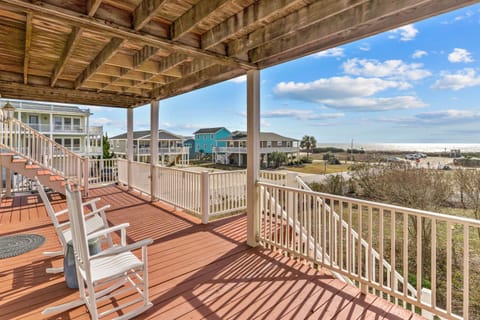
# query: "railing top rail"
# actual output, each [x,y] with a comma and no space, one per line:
[227,172]
[423,213]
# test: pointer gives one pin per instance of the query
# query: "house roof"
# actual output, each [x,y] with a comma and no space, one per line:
[126,53]
[145,135]
[264,136]
[40,107]
[209,130]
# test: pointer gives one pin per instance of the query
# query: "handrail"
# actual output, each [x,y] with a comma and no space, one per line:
[19,138]
[398,277]
[383,226]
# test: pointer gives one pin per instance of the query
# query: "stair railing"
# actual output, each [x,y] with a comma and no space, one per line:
[24,141]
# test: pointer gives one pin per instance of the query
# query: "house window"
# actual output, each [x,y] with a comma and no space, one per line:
[58,140]
[269,144]
[67,143]
[76,144]
[76,123]
[67,122]
[58,123]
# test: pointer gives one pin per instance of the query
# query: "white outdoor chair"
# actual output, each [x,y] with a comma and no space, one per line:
[112,272]
[96,220]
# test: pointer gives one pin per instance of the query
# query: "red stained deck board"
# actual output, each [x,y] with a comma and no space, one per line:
[196,271]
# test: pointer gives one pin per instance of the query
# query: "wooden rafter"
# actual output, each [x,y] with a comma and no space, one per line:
[145,11]
[49,11]
[194,16]
[110,49]
[254,15]
[28,43]
[92,7]
[72,42]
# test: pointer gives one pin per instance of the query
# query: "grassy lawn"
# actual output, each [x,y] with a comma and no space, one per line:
[319,168]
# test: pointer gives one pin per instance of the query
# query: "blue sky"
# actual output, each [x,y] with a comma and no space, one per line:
[419,83]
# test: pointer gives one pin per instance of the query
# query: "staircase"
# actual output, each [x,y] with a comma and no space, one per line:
[32,154]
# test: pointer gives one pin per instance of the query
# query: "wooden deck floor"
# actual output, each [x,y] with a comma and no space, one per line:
[196,271]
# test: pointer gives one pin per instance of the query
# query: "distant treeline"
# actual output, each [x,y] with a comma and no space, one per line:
[336,150]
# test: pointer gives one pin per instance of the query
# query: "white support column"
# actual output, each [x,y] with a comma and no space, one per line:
[87,142]
[129,145]
[253,155]
[51,125]
[153,147]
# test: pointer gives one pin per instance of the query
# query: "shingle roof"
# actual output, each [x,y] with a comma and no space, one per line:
[209,130]
[145,135]
[264,136]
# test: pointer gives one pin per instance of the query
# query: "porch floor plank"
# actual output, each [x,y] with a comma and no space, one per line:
[196,271]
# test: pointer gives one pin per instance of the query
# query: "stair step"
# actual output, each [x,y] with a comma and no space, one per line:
[20,160]
[32,166]
[7,154]
[43,172]
[56,178]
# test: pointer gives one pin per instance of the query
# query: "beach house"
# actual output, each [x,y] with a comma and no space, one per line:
[235,151]
[208,138]
[171,149]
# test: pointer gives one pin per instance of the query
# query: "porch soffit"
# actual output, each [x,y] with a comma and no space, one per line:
[126,53]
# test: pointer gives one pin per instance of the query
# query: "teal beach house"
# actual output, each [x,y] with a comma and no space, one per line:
[208,138]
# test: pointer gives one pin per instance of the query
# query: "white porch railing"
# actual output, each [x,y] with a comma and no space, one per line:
[37,148]
[388,230]
[206,194]
[102,171]
[279,178]
[262,149]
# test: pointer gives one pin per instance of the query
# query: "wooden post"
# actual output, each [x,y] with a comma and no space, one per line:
[129,146]
[253,155]
[8,182]
[153,147]
[205,196]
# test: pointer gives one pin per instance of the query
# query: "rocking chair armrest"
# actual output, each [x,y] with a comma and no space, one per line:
[63,224]
[90,202]
[120,249]
[104,232]
[94,212]
[59,213]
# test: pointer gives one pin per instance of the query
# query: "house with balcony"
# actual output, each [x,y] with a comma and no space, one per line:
[235,150]
[67,125]
[208,138]
[290,252]
[171,148]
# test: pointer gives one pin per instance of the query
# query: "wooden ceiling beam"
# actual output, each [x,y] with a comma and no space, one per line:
[353,24]
[110,49]
[13,90]
[28,43]
[92,6]
[203,78]
[72,42]
[145,11]
[314,13]
[194,16]
[253,16]
[55,14]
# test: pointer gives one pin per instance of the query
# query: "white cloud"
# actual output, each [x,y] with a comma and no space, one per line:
[392,69]
[240,79]
[455,81]
[364,47]
[449,117]
[460,55]
[101,121]
[300,114]
[376,104]
[406,33]
[419,54]
[348,93]
[333,52]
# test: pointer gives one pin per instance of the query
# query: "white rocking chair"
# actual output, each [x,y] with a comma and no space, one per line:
[96,220]
[112,272]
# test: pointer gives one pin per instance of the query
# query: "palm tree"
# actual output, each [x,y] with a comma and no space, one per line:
[308,143]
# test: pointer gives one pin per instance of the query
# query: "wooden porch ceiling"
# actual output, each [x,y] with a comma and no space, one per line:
[125,53]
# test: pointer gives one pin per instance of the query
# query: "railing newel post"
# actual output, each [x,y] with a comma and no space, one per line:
[205,197]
